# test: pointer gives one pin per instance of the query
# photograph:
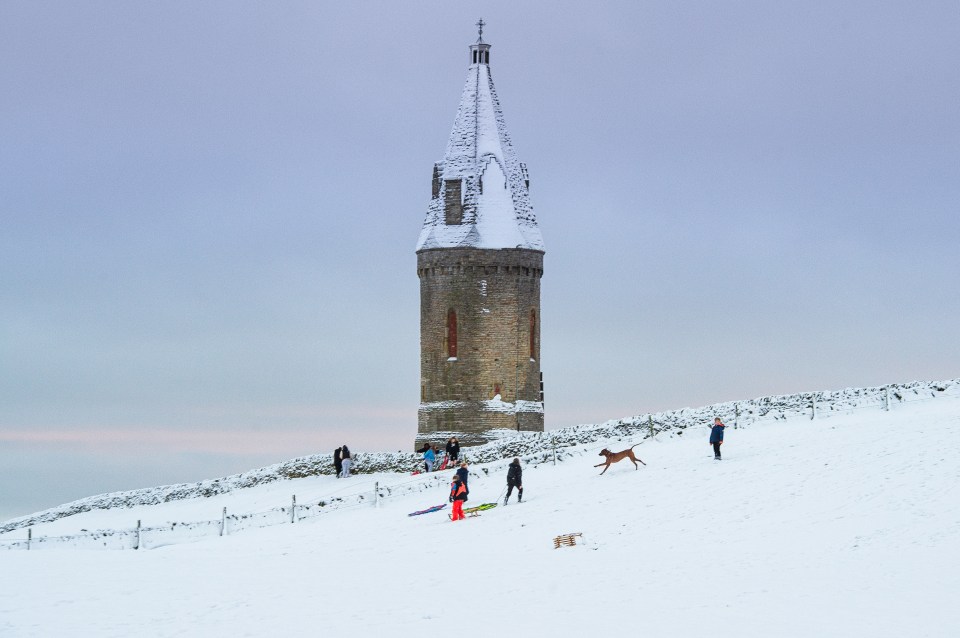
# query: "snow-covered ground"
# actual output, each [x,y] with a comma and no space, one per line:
[847,525]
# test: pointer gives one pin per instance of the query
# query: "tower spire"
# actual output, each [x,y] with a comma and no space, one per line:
[480,26]
[481,190]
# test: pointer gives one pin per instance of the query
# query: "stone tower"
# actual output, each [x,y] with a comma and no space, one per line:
[479,260]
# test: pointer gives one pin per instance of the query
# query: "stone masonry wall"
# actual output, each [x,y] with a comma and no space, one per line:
[493,293]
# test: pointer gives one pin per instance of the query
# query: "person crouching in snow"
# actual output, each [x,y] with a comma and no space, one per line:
[429,456]
[716,437]
[458,494]
[514,480]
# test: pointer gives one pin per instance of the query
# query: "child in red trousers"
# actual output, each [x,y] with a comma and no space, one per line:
[458,494]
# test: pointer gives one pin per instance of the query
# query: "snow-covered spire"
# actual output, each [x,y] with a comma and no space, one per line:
[480,190]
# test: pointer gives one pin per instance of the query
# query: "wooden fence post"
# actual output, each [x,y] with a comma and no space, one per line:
[29,536]
[376,494]
[293,509]
[886,398]
[137,546]
[223,522]
[813,406]
[736,415]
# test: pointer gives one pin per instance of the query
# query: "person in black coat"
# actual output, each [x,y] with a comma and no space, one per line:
[464,474]
[514,480]
[345,461]
[453,450]
[337,461]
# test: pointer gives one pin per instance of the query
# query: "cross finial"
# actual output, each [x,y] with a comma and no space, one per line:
[480,26]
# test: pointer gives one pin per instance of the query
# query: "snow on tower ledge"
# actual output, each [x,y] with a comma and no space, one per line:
[481,193]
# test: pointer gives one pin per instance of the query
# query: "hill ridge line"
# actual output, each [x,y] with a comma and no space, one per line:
[535,447]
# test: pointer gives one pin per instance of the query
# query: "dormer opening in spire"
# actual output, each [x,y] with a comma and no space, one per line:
[452,201]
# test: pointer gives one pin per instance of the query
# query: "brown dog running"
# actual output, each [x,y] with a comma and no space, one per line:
[619,456]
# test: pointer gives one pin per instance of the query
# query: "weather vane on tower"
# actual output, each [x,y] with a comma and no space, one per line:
[480,26]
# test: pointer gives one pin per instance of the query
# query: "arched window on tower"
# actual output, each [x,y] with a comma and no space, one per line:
[451,334]
[533,335]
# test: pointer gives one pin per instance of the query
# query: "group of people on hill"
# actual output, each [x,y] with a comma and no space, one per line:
[459,490]
[342,461]
[431,454]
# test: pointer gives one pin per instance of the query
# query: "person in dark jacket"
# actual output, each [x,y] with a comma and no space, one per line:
[453,450]
[346,461]
[514,480]
[337,461]
[464,474]
[458,494]
[716,437]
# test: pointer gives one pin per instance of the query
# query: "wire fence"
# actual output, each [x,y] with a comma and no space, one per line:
[546,448]
[141,537]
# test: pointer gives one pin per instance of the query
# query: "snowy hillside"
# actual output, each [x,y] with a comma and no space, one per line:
[843,525]
[535,447]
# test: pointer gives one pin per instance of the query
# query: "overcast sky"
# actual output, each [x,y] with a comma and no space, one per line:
[210,210]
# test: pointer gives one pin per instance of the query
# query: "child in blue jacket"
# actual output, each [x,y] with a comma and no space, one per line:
[716,437]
